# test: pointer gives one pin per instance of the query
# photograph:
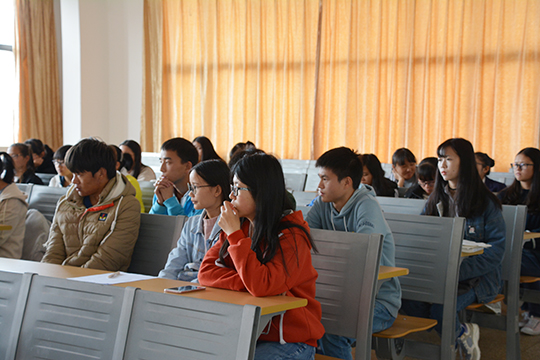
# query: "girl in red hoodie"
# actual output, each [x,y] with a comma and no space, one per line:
[265,249]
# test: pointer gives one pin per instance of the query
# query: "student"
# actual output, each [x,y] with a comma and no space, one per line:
[64,176]
[171,197]
[459,191]
[484,164]
[13,209]
[120,162]
[24,164]
[426,173]
[42,156]
[96,223]
[136,168]
[373,174]
[344,206]
[404,168]
[525,190]
[240,147]
[265,249]
[205,149]
[209,188]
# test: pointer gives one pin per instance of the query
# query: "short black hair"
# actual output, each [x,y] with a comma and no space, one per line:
[37,146]
[185,150]
[91,154]
[60,154]
[7,170]
[343,162]
[426,171]
[402,155]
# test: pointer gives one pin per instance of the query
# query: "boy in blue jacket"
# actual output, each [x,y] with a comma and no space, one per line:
[346,205]
[171,197]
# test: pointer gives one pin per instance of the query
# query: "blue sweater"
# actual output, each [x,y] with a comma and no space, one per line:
[172,206]
[362,214]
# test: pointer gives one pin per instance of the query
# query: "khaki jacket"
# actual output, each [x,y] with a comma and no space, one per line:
[100,237]
[13,208]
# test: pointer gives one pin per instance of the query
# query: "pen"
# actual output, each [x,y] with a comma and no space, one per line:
[114,274]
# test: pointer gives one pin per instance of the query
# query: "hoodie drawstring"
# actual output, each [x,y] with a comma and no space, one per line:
[344,222]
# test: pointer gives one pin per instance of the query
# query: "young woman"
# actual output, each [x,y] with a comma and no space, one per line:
[208,188]
[373,174]
[64,177]
[426,173]
[525,190]
[205,149]
[136,168]
[13,209]
[265,249]
[24,164]
[404,168]
[459,191]
[484,164]
[42,155]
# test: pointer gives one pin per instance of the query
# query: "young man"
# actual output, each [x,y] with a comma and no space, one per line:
[171,197]
[96,223]
[343,206]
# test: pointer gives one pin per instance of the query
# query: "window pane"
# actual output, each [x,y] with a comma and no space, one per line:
[7,29]
[7,97]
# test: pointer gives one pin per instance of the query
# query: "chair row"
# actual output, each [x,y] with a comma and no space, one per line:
[42,198]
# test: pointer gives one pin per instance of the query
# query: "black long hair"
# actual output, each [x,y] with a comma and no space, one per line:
[216,173]
[380,185]
[485,160]
[472,196]
[26,150]
[7,170]
[208,151]
[512,195]
[263,175]
[137,164]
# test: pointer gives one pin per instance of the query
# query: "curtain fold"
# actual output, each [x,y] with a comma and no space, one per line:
[387,74]
[36,65]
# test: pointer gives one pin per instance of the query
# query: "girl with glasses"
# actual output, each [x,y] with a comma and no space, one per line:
[459,191]
[426,173]
[265,249]
[64,177]
[208,188]
[23,163]
[525,190]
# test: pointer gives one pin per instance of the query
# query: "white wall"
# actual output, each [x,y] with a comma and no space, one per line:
[102,49]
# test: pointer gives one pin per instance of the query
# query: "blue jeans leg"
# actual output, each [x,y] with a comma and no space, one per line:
[435,311]
[340,346]
[269,350]
[530,266]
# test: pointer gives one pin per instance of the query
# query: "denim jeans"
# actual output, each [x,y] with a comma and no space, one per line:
[435,311]
[341,346]
[270,350]
[530,267]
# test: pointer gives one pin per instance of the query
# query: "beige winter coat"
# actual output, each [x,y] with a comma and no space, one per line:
[100,237]
[13,208]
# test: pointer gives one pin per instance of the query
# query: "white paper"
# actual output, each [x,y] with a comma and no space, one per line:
[105,279]
[473,246]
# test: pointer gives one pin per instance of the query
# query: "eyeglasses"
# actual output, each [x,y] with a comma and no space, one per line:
[14,156]
[426,183]
[58,162]
[193,188]
[234,189]
[520,166]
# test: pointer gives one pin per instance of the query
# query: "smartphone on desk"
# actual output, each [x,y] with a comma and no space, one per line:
[184,289]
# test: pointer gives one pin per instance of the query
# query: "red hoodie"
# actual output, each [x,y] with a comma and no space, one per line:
[244,272]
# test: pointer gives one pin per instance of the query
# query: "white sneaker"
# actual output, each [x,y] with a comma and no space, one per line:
[468,342]
[523,319]
[532,327]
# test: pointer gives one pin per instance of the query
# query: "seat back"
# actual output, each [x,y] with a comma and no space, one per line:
[430,247]
[348,267]
[157,236]
[401,206]
[294,181]
[304,197]
[69,320]
[167,326]
[46,178]
[147,190]
[14,290]
[44,199]
[36,235]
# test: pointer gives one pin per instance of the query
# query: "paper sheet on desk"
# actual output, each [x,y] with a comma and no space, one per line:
[472,246]
[104,279]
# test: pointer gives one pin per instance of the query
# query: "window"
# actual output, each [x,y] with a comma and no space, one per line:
[7,73]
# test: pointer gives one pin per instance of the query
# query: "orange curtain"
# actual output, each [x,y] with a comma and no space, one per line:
[386,74]
[36,64]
